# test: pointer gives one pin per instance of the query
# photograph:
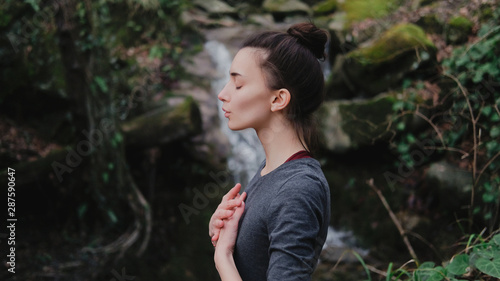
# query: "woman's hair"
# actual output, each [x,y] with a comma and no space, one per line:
[290,60]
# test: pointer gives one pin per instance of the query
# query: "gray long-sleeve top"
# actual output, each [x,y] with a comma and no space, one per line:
[285,222]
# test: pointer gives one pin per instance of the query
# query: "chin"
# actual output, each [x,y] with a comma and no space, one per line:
[235,127]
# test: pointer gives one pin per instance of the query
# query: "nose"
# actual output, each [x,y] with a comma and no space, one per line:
[223,95]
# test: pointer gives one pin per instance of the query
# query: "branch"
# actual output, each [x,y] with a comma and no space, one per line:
[486,166]
[464,153]
[474,148]
[433,126]
[395,220]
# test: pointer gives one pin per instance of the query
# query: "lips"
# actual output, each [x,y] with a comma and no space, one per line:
[226,113]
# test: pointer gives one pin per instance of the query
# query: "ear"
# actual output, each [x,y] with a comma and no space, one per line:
[281,98]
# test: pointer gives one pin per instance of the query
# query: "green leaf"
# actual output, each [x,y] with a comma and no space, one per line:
[491,145]
[112,216]
[33,4]
[427,272]
[496,239]
[488,266]
[495,131]
[105,177]
[399,105]
[360,259]
[81,210]
[389,273]
[101,83]
[488,197]
[401,126]
[486,111]
[458,265]
[411,138]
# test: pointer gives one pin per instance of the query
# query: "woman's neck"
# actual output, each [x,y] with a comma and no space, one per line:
[280,141]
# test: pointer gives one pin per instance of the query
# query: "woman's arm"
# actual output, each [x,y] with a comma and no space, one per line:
[223,256]
[297,222]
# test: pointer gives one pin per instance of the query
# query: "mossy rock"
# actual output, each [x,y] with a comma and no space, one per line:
[325,7]
[286,7]
[215,8]
[349,125]
[459,29]
[383,64]
[394,42]
[431,24]
[485,13]
[358,10]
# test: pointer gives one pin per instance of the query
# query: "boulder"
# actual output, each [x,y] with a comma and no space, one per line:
[447,178]
[286,7]
[446,181]
[215,8]
[261,19]
[325,7]
[164,124]
[458,30]
[346,125]
[381,65]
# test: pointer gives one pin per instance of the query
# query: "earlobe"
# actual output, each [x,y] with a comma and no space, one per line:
[281,100]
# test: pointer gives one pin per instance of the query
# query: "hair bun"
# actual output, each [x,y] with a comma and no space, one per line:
[311,37]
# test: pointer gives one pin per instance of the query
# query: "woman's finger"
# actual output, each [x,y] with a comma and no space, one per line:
[232,193]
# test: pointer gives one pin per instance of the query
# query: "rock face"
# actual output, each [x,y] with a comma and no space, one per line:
[383,64]
[286,7]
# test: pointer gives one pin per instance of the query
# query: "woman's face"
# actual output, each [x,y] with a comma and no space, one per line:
[246,98]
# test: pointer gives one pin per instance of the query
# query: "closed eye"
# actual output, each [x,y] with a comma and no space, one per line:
[237,88]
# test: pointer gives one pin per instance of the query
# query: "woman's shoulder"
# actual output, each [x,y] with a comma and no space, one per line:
[304,174]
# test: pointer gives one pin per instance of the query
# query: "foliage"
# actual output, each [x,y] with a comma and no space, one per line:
[479,261]
[464,125]
[465,120]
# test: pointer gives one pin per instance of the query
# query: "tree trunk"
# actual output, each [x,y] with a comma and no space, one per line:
[86,62]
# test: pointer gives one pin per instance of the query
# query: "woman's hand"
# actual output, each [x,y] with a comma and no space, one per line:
[228,234]
[225,210]
[223,256]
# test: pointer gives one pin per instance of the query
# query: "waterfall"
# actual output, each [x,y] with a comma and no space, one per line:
[246,151]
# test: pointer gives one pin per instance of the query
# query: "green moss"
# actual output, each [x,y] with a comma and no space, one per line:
[358,10]
[485,13]
[459,29]
[325,7]
[393,42]
[461,23]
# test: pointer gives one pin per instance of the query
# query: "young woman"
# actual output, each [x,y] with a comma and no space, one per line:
[278,232]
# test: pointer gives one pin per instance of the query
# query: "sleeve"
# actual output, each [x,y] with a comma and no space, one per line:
[296,218]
